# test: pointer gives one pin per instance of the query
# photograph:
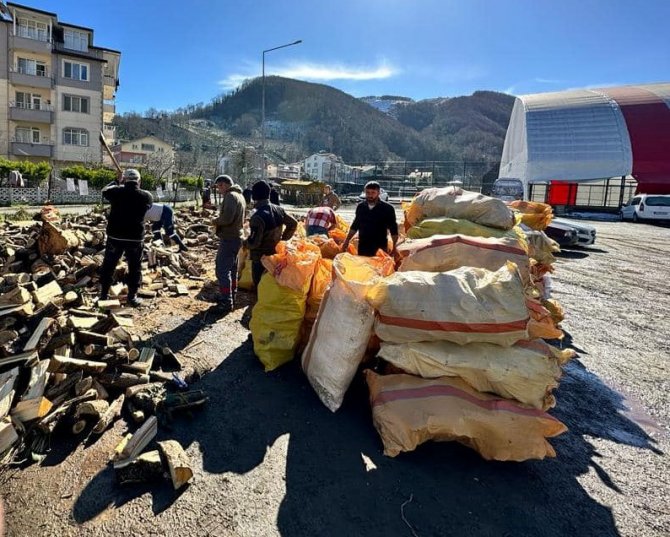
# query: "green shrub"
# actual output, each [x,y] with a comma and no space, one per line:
[34,173]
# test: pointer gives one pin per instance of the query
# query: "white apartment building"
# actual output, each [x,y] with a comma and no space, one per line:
[323,166]
[57,89]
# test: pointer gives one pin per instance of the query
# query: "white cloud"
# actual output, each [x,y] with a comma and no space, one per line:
[313,71]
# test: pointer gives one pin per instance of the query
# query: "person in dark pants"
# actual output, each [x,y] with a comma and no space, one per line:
[161,216]
[228,227]
[320,220]
[269,224]
[374,220]
[125,232]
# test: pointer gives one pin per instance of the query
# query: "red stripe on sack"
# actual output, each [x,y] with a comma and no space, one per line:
[450,391]
[459,239]
[538,346]
[536,307]
[446,326]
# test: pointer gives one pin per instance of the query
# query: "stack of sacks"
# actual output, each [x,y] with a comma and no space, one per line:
[343,326]
[282,296]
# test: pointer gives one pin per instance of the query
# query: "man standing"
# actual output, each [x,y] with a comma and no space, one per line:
[125,232]
[269,224]
[228,227]
[162,216]
[373,221]
[320,220]
[330,199]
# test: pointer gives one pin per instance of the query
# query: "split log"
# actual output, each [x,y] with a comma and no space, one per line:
[121,446]
[38,381]
[64,340]
[31,409]
[37,334]
[109,304]
[62,364]
[81,323]
[112,412]
[177,461]
[26,358]
[84,336]
[120,320]
[140,440]
[48,423]
[7,336]
[83,385]
[182,290]
[7,381]
[24,310]
[64,387]
[87,412]
[100,390]
[16,297]
[45,293]
[147,467]
[54,241]
[122,380]
[8,435]
[143,363]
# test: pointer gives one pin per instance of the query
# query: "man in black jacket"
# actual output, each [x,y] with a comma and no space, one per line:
[374,220]
[125,232]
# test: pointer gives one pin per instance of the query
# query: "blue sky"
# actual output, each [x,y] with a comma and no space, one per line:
[178,53]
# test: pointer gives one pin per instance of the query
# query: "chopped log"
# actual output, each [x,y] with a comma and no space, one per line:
[147,467]
[70,297]
[133,354]
[7,381]
[24,310]
[121,446]
[81,323]
[123,321]
[26,358]
[64,340]
[37,334]
[84,336]
[38,381]
[8,435]
[121,335]
[122,380]
[160,376]
[112,412]
[156,286]
[144,362]
[116,289]
[177,461]
[140,440]
[83,385]
[16,297]
[100,390]
[138,416]
[109,304]
[146,293]
[54,241]
[88,411]
[48,423]
[31,409]
[7,336]
[96,350]
[17,278]
[63,364]
[182,290]
[44,294]
[80,312]
[132,391]
[64,387]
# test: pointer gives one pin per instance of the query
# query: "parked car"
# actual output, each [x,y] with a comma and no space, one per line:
[586,233]
[383,195]
[564,234]
[646,207]
[507,189]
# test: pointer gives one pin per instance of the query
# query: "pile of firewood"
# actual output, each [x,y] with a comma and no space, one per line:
[69,362]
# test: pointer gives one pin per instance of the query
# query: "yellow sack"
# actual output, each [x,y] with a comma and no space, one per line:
[441,253]
[541,324]
[323,276]
[292,264]
[408,411]
[465,305]
[534,214]
[275,322]
[528,371]
[542,248]
[455,202]
[244,279]
[453,226]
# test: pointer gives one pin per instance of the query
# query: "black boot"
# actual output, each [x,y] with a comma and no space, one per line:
[104,292]
[133,301]
[180,243]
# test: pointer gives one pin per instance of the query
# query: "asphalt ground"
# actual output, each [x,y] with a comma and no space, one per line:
[270,459]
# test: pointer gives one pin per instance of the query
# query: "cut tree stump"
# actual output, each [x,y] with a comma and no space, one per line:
[147,467]
[177,462]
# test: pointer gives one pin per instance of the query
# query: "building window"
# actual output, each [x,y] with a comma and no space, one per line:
[134,146]
[75,71]
[32,29]
[75,137]
[161,150]
[75,40]
[29,101]
[76,104]
[26,66]
[148,147]
[27,135]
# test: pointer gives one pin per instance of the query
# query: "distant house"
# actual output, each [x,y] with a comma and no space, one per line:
[150,153]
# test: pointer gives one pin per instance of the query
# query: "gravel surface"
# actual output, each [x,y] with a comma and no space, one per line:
[270,459]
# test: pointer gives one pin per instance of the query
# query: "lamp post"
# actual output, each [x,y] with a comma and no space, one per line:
[263,105]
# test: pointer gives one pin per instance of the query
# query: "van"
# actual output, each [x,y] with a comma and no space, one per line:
[507,189]
[646,207]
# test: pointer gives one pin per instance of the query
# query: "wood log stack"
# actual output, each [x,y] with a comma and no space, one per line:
[70,363]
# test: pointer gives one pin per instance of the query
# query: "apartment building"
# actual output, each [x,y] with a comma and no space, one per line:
[57,89]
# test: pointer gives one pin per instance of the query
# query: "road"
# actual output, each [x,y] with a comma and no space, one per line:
[271,460]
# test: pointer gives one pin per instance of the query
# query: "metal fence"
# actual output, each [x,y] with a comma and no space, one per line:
[607,195]
[37,196]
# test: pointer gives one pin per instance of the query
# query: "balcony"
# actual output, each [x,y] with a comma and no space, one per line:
[29,41]
[34,79]
[90,53]
[30,113]
[27,149]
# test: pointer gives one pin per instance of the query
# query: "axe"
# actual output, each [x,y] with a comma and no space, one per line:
[109,152]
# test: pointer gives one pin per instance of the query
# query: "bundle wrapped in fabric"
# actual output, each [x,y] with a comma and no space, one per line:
[444,225]
[528,371]
[441,253]
[343,327]
[465,305]
[408,411]
[542,323]
[292,264]
[534,214]
[455,202]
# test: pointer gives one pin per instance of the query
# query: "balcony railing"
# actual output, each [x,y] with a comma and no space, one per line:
[24,140]
[31,106]
[22,70]
[32,33]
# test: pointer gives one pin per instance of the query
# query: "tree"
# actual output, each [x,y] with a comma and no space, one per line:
[244,125]
[159,164]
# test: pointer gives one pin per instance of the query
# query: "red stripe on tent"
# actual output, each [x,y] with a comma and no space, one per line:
[471,242]
[494,405]
[648,121]
[446,326]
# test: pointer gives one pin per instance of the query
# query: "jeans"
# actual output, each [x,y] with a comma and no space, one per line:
[166,222]
[257,271]
[226,268]
[114,250]
[316,230]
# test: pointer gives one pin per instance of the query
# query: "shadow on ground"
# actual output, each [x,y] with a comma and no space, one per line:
[329,491]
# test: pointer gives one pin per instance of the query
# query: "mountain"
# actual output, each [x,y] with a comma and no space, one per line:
[386,103]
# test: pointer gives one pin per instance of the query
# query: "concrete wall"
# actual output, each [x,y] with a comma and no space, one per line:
[92,122]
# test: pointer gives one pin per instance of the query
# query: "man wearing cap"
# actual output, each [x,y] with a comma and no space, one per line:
[330,199]
[228,227]
[125,232]
[269,224]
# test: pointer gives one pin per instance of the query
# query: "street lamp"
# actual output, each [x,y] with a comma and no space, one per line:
[263,105]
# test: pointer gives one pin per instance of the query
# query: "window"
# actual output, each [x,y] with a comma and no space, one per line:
[134,146]
[161,150]
[28,100]
[72,103]
[75,137]
[26,66]
[75,40]
[148,147]
[75,71]
[27,135]
[32,30]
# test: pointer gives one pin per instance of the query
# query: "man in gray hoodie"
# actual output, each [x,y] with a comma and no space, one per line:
[228,227]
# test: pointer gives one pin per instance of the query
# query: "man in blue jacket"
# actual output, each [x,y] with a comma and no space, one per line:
[125,232]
